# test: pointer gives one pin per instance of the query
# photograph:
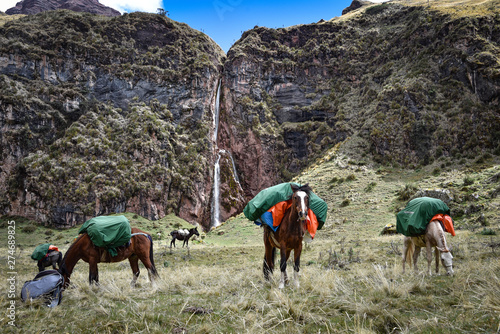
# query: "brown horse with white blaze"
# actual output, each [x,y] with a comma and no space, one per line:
[433,237]
[140,248]
[288,236]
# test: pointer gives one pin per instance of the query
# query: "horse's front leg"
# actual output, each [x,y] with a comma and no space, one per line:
[134,265]
[284,257]
[437,254]
[93,273]
[296,266]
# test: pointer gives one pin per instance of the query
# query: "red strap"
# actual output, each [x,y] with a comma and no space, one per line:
[312,223]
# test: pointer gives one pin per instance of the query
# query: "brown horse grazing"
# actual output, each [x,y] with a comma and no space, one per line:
[288,236]
[433,237]
[140,248]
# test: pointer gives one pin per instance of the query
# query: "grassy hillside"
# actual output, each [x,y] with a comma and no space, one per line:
[351,276]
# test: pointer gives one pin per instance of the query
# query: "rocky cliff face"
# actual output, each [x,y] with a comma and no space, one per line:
[409,85]
[37,6]
[106,116]
[102,115]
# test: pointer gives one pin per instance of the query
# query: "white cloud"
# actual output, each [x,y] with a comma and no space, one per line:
[150,6]
[6,4]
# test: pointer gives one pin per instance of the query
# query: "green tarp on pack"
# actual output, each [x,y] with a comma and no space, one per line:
[414,218]
[268,197]
[40,252]
[108,232]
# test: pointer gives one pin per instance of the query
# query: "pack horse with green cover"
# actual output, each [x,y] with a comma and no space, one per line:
[287,212]
[109,239]
[423,222]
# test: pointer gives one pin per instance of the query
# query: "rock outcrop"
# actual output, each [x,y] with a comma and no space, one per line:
[356,4]
[403,81]
[30,7]
[98,117]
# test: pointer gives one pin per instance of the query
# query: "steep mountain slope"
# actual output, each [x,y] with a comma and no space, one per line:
[104,115]
[101,115]
[410,83]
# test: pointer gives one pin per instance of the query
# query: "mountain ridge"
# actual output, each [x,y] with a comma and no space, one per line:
[117,114]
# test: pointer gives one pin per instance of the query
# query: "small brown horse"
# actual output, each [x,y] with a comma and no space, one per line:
[433,237]
[140,248]
[289,235]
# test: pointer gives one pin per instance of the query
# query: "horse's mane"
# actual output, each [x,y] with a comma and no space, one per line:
[62,269]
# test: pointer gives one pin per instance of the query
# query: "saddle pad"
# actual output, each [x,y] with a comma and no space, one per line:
[274,216]
[109,232]
[271,196]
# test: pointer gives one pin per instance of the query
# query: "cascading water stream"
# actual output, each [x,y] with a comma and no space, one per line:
[216,190]
[216,114]
[235,174]
[215,200]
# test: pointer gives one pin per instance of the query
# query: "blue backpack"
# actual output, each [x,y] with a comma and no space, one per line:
[47,284]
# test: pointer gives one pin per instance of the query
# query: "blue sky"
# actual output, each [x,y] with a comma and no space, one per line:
[225,20]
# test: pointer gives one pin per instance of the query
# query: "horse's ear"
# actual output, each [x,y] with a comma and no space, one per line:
[443,250]
[294,187]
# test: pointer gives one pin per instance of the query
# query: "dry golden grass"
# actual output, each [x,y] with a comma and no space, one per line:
[228,293]
[456,8]
[351,276]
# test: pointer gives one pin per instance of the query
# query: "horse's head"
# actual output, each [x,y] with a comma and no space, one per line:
[64,272]
[300,200]
[195,231]
[446,260]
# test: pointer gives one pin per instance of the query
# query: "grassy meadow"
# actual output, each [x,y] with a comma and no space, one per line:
[351,277]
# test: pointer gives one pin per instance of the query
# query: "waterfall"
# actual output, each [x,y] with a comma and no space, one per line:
[235,174]
[216,113]
[216,185]
[216,193]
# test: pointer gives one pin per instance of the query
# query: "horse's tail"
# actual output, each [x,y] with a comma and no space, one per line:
[410,249]
[153,267]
